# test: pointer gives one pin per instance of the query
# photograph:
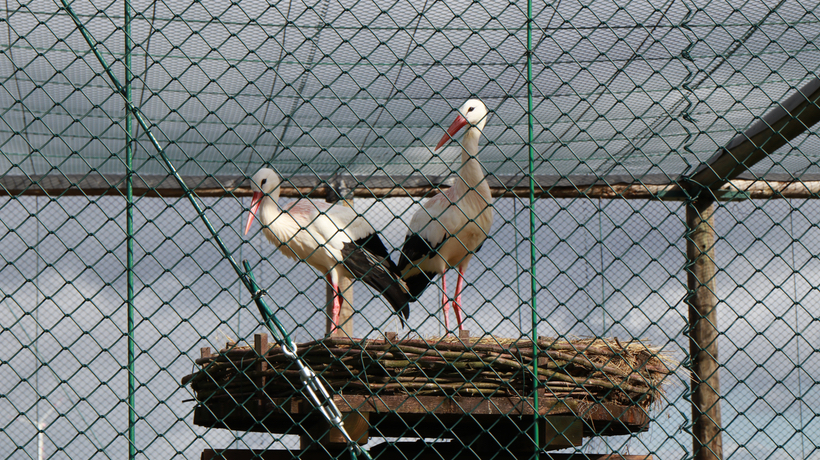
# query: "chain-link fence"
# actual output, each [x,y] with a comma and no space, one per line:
[126,332]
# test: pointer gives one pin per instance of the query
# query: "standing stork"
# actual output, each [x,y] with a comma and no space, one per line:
[451,226]
[332,238]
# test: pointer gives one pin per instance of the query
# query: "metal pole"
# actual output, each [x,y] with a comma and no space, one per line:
[129,237]
[533,252]
[707,440]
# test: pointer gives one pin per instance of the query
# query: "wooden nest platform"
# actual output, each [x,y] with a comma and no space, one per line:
[439,388]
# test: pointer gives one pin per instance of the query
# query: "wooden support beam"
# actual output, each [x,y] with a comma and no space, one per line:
[429,416]
[421,450]
[357,425]
[414,450]
[734,190]
[555,432]
[787,120]
[604,188]
[260,345]
[703,331]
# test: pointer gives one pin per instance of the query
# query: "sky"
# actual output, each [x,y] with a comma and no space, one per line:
[604,268]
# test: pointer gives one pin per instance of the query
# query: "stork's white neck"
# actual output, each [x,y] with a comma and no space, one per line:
[471,174]
[269,209]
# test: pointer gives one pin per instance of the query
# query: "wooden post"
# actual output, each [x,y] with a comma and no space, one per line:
[260,344]
[338,192]
[322,436]
[205,352]
[707,440]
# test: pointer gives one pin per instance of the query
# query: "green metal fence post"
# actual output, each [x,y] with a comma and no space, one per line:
[533,282]
[129,216]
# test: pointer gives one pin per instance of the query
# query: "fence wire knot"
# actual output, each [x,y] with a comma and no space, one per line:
[258,294]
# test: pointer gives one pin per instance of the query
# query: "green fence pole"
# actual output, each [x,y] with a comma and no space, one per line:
[129,217]
[533,283]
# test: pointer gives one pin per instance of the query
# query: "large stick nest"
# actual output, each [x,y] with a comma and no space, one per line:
[602,370]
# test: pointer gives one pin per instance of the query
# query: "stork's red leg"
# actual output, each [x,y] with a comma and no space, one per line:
[336,306]
[445,302]
[457,300]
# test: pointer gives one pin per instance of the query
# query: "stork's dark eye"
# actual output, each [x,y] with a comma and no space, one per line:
[470,109]
[263,181]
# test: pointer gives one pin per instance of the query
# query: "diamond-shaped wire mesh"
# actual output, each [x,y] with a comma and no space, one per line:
[624,94]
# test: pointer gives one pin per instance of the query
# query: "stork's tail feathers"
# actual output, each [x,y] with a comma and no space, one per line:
[379,273]
[393,289]
[399,299]
[416,284]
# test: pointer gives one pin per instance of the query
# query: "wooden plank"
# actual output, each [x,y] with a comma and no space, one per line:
[398,450]
[419,416]
[260,346]
[284,454]
[561,432]
[451,405]
[356,424]
[423,451]
[703,332]
[733,190]
[554,432]
[463,405]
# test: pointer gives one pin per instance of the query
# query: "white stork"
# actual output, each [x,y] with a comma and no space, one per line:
[332,238]
[451,226]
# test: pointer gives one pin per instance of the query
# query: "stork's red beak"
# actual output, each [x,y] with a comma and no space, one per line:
[459,123]
[255,202]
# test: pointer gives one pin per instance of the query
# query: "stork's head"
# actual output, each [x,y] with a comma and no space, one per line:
[473,113]
[264,183]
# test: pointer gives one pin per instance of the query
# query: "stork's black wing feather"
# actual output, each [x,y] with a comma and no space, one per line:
[415,249]
[367,259]
[374,245]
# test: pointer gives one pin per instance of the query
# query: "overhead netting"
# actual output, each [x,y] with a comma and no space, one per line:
[640,91]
